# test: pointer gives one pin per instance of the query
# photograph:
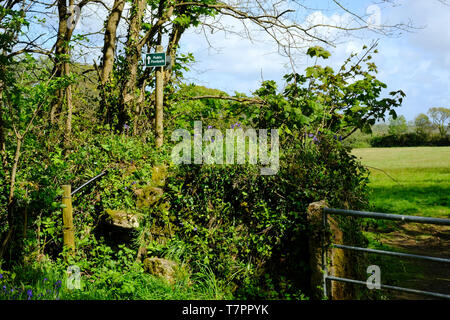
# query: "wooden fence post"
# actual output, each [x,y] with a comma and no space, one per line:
[68,230]
[336,262]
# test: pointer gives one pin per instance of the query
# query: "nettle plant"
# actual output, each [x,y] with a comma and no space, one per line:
[325,100]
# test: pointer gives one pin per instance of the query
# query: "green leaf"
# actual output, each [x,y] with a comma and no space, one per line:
[318,51]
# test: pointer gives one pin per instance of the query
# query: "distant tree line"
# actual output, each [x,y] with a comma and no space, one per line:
[431,129]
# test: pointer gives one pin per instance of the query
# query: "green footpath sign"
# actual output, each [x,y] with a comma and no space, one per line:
[155,59]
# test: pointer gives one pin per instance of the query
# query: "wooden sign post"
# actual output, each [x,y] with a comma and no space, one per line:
[159,101]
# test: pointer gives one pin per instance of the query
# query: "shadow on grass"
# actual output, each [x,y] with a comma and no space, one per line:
[401,199]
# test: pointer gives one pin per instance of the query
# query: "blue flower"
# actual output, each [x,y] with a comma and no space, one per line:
[134,182]
[1,276]
[335,137]
[29,293]
[45,279]
[340,138]
[315,138]
[212,139]
[195,229]
[210,127]
[310,135]
[232,126]
[126,126]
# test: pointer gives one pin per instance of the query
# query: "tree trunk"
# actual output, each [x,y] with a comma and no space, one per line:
[174,39]
[133,55]
[109,49]
[109,45]
[2,132]
[60,50]
[62,65]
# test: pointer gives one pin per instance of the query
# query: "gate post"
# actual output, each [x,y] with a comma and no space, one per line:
[315,241]
[323,260]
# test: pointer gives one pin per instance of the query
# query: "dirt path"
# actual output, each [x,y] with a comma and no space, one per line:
[430,240]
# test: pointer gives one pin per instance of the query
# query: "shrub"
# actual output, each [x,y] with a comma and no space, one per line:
[251,229]
[411,139]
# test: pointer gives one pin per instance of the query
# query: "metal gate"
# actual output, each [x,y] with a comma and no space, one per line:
[386,216]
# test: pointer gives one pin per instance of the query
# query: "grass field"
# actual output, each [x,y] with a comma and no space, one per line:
[422,180]
[414,181]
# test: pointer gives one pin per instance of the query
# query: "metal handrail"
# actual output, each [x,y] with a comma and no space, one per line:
[378,215]
[88,182]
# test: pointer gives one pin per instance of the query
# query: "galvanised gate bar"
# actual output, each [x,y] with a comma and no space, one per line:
[386,216]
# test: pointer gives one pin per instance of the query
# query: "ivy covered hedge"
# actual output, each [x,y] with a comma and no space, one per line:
[251,229]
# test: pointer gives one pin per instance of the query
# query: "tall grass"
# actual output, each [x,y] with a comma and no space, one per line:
[50,283]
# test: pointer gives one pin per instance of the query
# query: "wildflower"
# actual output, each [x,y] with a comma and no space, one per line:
[212,139]
[126,126]
[195,229]
[319,132]
[232,126]
[181,224]
[126,188]
[310,135]
[340,138]
[134,182]
[210,127]
[315,139]
[29,294]
[1,276]
[335,137]
[45,279]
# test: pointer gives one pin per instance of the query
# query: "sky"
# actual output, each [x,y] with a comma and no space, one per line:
[417,61]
